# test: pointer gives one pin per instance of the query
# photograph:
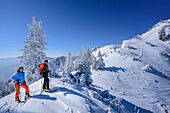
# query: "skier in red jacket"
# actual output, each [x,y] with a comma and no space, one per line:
[43,70]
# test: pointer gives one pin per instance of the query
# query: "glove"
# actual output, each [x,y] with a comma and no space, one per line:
[42,74]
[49,71]
[18,81]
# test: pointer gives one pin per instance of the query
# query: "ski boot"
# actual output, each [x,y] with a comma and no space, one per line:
[44,89]
[17,100]
[49,90]
[28,95]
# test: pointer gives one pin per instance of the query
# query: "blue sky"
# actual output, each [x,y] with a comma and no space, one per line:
[71,24]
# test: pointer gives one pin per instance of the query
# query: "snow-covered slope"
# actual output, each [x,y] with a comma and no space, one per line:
[124,76]
[68,99]
[125,83]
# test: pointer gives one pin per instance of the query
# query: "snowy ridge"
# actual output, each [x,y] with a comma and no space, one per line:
[134,80]
[147,89]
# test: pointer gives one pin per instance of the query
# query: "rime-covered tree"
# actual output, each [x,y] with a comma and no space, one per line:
[60,70]
[89,56]
[82,61]
[100,62]
[69,63]
[6,88]
[162,34]
[61,67]
[94,63]
[85,78]
[33,50]
[84,72]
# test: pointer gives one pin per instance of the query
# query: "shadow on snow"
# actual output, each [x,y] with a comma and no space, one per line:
[158,73]
[92,105]
[129,107]
[44,96]
[114,69]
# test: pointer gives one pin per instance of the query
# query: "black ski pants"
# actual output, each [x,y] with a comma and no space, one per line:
[46,81]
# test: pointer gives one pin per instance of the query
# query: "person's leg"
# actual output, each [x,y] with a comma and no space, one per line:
[44,86]
[17,87]
[25,87]
[45,80]
[47,83]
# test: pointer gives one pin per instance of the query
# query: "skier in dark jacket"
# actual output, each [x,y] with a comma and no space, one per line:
[43,70]
[19,80]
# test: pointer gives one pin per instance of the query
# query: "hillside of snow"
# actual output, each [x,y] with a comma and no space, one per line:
[67,99]
[124,75]
[136,79]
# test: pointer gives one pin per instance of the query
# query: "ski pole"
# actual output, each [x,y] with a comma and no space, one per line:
[41,85]
[19,94]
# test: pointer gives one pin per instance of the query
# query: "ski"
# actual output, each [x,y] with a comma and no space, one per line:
[3,106]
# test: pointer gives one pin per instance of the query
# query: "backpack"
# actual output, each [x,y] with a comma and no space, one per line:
[39,67]
[44,68]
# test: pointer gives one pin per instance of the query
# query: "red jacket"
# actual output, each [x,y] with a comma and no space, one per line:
[42,68]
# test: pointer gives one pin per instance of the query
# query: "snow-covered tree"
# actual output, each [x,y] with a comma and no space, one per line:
[85,78]
[82,61]
[33,50]
[75,68]
[69,63]
[61,67]
[83,67]
[6,88]
[60,70]
[94,62]
[89,56]
[162,34]
[100,62]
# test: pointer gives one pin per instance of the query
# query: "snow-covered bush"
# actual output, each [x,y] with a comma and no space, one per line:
[83,79]
[148,67]
[33,51]
[83,76]
[113,103]
[166,54]
[137,37]
[162,35]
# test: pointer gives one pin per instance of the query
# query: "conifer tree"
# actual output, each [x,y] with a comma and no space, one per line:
[94,63]
[100,62]
[89,56]
[162,34]
[82,61]
[33,50]
[69,63]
